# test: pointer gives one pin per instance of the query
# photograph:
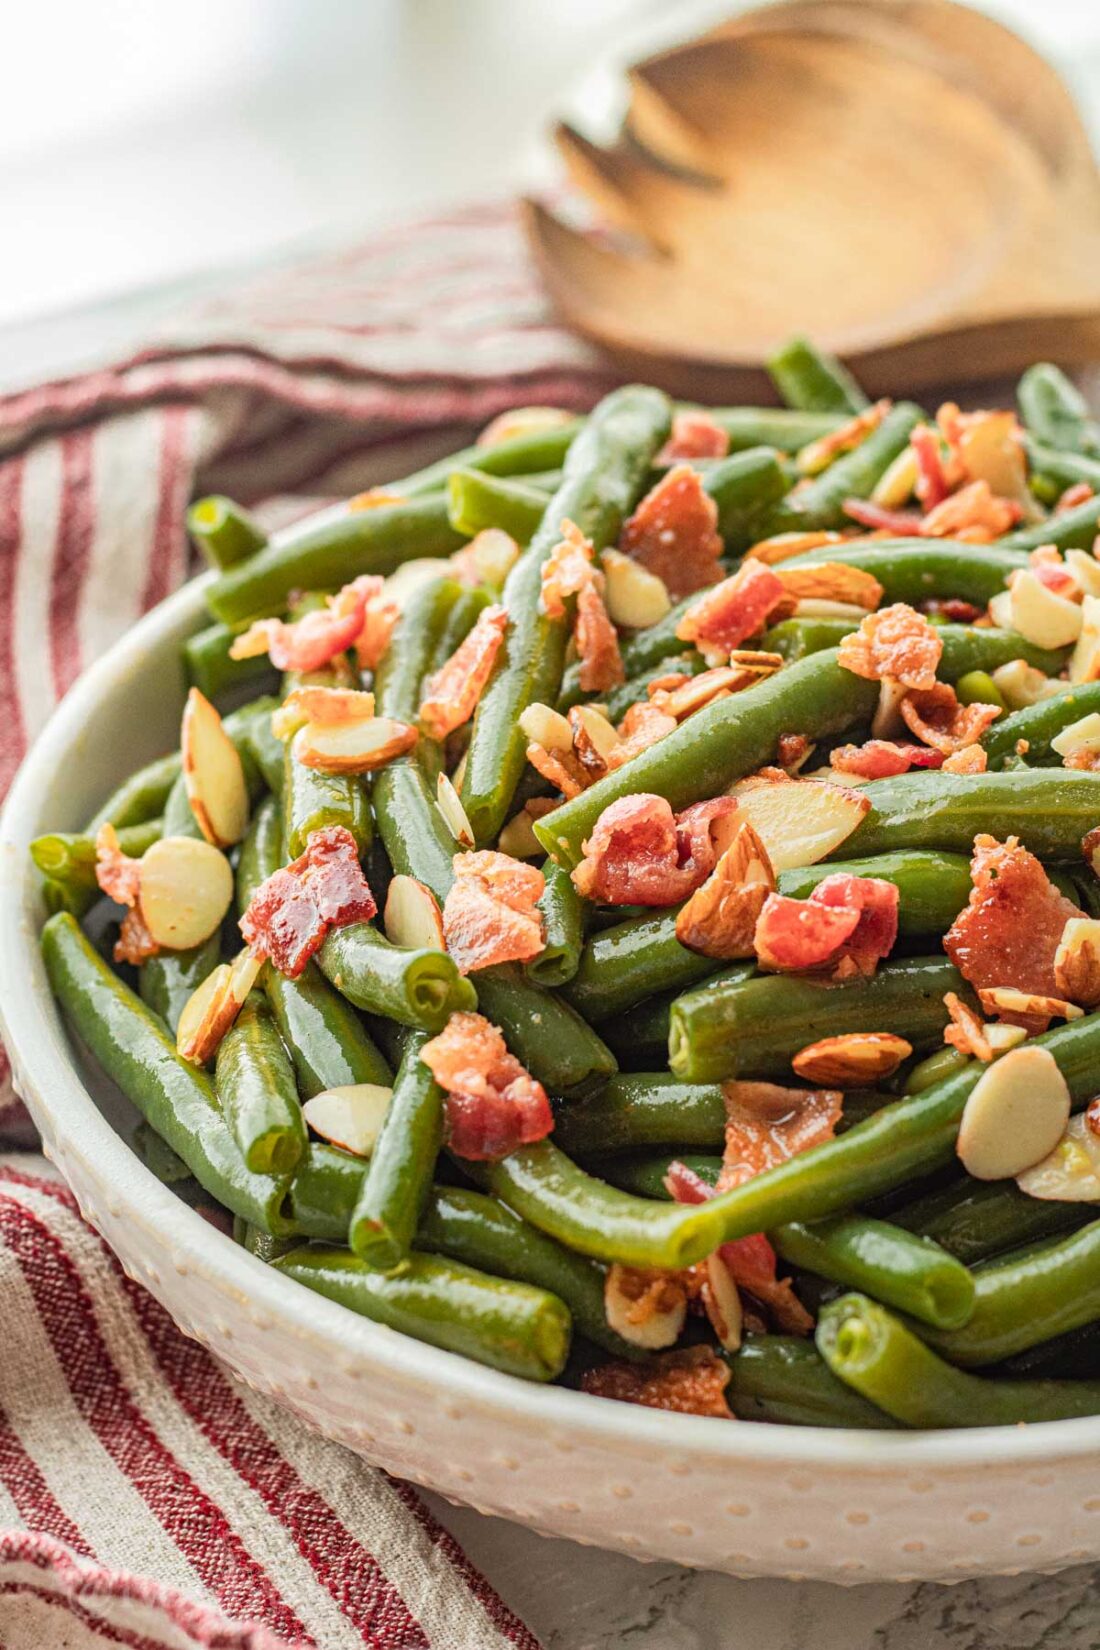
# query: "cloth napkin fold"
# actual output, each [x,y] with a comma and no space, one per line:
[147,1499]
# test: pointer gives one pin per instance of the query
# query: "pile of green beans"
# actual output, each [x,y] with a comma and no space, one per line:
[940,1300]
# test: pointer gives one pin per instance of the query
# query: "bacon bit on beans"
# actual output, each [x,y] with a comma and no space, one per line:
[641,853]
[379,623]
[491,912]
[971,759]
[876,900]
[601,665]
[493,1104]
[313,641]
[935,716]
[694,435]
[974,513]
[289,915]
[642,726]
[844,917]
[792,749]
[689,1382]
[117,874]
[135,944]
[877,517]
[897,642]
[952,608]
[674,533]
[1009,932]
[816,455]
[732,611]
[1079,493]
[882,758]
[451,693]
[931,486]
[567,570]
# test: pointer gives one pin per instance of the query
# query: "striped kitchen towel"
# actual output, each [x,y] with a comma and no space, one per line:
[145,1499]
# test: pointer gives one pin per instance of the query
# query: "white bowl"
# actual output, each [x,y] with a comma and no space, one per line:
[749,1499]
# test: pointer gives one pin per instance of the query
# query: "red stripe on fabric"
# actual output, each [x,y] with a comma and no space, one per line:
[193,1521]
[13,739]
[35,1502]
[169,555]
[72,556]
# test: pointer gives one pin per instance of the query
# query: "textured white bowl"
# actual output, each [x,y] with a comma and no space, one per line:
[751,1499]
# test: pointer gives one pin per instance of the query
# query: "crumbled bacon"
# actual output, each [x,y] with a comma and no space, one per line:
[601,664]
[117,874]
[844,917]
[561,768]
[694,435]
[313,641]
[379,624]
[642,726]
[567,570]
[931,485]
[732,611]
[289,915]
[951,608]
[135,944]
[491,911]
[674,533]
[1079,493]
[792,749]
[876,900]
[898,523]
[689,1382]
[896,642]
[974,513]
[451,693]
[493,1104]
[816,455]
[882,758]
[641,853]
[1011,928]
[935,716]
[971,759]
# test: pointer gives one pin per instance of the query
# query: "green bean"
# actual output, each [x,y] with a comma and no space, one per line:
[604,472]
[332,552]
[819,501]
[563,930]
[69,859]
[1050,811]
[178,818]
[638,1037]
[168,981]
[328,1042]
[782,427]
[1065,468]
[509,1326]
[1067,530]
[399,1174]
[323,1192]
[558,1048]
[914,570]
[875,1354]
[750,1026]
[811,380]
[945,1062]
[649,1108]
[1074,1354]
[743,486]
[259,1243]
[136,1052]
[526,454]
[254,1080]
[932,887]
[797,638]
[1038,724]
[783,1378]
[965,649]
[224,532]
[721,743]
[648,648]
[478,501]
[313,800]
[643,1173]
[1055,411]
[975,1219]
[623,965]
[209,667]
[977,687]
[420,988]
[884,1261]
[140,798]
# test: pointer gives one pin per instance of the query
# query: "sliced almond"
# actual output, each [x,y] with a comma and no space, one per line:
[506,426]
[493,553]
[1020,684]
[213,1006]
[350,1116]
[966,1032]
[1015,1114]
[1040,615]
[546,727]
[212,774]
[647,1308]
[454,814]
[1077,961]
[799,821]
[896,484]
[719,920]
[1085,570]
[412,916]
[1084,664]
[327,706]
[634,597]
[1080,738]
[816,607]
[1001,1037]
[887,721]
[518,839]
[1005,999]
[857,1059]
[601,734]
[721,1302]
[782,546]
[459,775]
[186,889]
[833,582]
[1071,1172]
[1000,610]
[352,747]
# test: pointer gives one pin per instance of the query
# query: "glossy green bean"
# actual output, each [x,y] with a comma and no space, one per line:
[69,859]
[1050,811]
[1067,530]
[519,455]
[643,1173]
[399,1174]
[783,1378]
[478,501]
[209,667]
[141,797]
[786,428]
[417,987]
[965,648]
[313,800]
[168,980]
[975,1219]
[819,501]
[158,1156]
[324,1191]
[743,486]
[257,1094]
[913,570]
[638,1109]
[932,887]
[1064,467]
[621,966]
[1055,411]
[882,1260]
[811,380]
[224,532]
[549,1037]
[1038,724]
[562,912]
[259,1243]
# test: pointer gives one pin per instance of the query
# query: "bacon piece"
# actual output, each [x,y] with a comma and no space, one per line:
[975,513]
[882,758]
[817,455]
[311,642]
[490,914]
[935,716]
[898,523]
[641,853]
[601,664]
[451,693]
[642,726]
[876,900]
[896,642]
[135,944]
[971,759]
[689,1382]
[567,570]
[379,624]
[694,435]
[117,874]
[931,485]
[1009,932]
[952,608]
[674,533]
[289,915]
[493,1104]
[732,611]
[792,749]
[1079,493]
[844,917]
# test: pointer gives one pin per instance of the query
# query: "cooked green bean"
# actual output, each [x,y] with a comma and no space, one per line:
[254,1081]
[649,1108]
[643,1173]
[743,486]
[420,988]
[140,798]
[785,1379]
[399,1174]
[1050,811]
[884,1261]
[313,800]
[915,570]
[974,1219]
[1067,530]
[563,930]
[1055,411]
[519,455]
[1038,724]
[478,501]
[210,668]
[784,427]
[965,648]
[811,380]
[548,1037]
[819,501]
[224,532]
[69,859]
[168,980]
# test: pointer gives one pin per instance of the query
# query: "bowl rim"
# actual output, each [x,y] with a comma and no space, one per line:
[33,1033]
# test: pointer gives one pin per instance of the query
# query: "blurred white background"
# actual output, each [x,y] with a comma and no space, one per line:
[147,144]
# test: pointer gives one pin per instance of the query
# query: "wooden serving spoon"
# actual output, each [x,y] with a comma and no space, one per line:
[904,180]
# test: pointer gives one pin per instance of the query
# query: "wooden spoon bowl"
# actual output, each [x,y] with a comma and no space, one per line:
[904,180]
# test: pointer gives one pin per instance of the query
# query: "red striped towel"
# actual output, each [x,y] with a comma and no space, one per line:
[145,1499]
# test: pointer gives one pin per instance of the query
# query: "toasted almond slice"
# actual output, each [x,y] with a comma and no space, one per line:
[966,1032]
[412,576]
[454,814]
[352,747]
[350,1116]
[855,1060]
[719,919]
[601,734]
[213,1006]
[1084,664]
[1042,617]
[1085,570]
[373,499]
[887,720]
[1080,738]
[721,1302]
[647,1308]
[760,663]
[1005,999]
[999,610]
[546,727]
[895,486]
[799,821]
[213,774]
[523,421]
[1077,961]
[833,582]
[1001,1037]
[1015,1114]
[326,706]
[816,607]
[634,597]
[1020,684]
[185,890]
[412,916]
[493,553]
[1071,1172]
[518,839]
